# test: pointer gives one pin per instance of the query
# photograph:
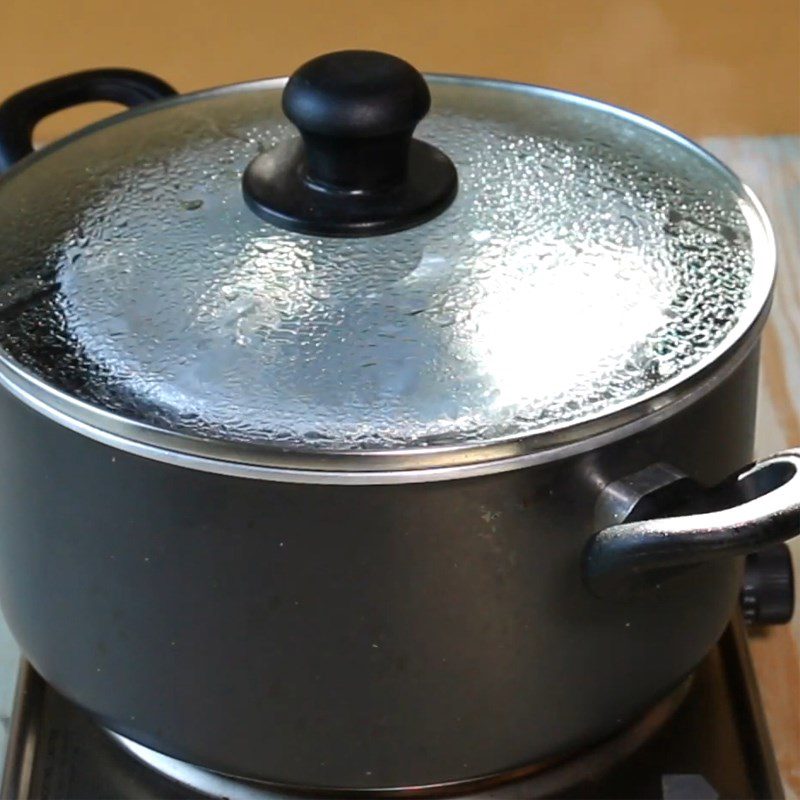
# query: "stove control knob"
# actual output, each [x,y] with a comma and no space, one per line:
[767,595]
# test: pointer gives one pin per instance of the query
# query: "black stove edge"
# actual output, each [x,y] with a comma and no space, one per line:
[22,740]
[742,677]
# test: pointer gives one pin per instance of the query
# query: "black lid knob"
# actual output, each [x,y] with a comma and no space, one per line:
[357,93]
[356,171]
[767,595]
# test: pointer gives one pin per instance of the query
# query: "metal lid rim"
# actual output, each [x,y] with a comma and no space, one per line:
[381,471]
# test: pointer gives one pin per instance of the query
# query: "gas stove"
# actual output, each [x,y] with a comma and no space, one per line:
[705,740]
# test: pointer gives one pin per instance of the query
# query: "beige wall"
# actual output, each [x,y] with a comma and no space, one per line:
[703,66]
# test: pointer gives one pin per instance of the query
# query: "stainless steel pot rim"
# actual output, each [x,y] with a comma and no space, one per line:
[418,464]
[438,466]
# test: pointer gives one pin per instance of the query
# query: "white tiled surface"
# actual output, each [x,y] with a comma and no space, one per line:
[9,661]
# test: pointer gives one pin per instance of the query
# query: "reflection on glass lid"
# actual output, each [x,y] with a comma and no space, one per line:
[589,260]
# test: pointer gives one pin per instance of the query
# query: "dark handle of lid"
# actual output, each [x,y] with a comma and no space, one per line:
[20,113]
[356,170]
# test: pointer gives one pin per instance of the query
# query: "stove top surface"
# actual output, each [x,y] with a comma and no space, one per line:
[715,745]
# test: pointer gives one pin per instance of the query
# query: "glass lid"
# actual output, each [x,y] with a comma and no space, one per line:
[587,262]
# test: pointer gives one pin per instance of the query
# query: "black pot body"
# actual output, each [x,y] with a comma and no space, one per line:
[350,636]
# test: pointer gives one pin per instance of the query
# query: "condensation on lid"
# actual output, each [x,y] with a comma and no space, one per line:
[590,260]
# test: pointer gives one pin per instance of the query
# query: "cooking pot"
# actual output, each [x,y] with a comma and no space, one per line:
[353,460]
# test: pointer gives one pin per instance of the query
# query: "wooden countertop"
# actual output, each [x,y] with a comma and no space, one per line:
[771,167]
[713,65]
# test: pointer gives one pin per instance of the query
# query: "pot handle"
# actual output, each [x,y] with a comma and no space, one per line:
[756,507]
[21,112]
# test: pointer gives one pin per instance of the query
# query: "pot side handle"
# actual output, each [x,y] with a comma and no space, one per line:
[21,112]
[754,508]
